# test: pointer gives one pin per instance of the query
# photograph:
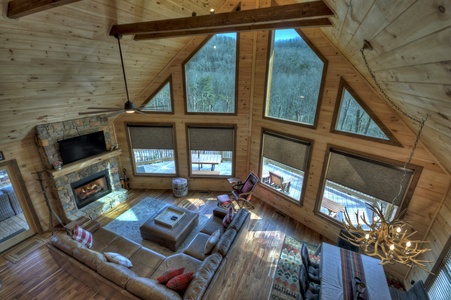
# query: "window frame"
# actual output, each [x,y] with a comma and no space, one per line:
[392,140]
[417,170]
[237,65]
[210,126]
[132,156]
[171,94]
[270,48]
[307,158]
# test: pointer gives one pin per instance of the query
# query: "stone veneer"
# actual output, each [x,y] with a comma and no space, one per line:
[47,137]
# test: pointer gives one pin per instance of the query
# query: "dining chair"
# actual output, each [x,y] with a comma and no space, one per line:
[312,268]
[308,291]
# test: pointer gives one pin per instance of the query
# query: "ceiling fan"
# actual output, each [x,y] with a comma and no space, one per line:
[129,106]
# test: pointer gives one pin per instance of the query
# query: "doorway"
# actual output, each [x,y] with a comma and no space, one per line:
[18,220]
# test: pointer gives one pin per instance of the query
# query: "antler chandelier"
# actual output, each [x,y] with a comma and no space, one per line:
[388,240]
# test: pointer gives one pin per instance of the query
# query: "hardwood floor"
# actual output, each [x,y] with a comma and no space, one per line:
[249,276]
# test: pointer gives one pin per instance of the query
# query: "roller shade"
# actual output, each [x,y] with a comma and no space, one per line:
[210,138]
[290,152]
[373,178]
[151,137]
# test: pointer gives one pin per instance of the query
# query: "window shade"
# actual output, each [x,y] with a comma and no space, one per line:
[370,177]
[151,137]
[213,139]
[293,153]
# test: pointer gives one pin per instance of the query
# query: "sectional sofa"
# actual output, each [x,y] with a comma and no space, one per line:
[115,281]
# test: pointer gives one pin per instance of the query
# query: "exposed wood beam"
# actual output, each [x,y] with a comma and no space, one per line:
[20,8]
[223,21]
[239,28]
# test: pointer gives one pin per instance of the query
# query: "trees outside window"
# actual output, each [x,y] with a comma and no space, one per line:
[162,100]
[210,76]
[294,79]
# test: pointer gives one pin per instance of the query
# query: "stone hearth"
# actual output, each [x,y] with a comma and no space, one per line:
[64,202]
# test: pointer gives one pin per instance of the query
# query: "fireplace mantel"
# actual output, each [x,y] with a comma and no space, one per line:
[83,163]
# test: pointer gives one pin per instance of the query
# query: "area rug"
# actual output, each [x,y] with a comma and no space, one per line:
[128,223]
[286,278]
[21,251]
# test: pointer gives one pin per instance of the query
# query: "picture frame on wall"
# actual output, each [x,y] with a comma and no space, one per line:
[2,157]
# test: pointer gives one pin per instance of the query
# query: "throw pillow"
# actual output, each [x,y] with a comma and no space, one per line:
[118,259]
[169,274]
[228,217]
[82,236]
[212,241]
[180,283]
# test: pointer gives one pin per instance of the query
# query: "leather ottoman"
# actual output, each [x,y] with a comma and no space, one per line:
[165,235]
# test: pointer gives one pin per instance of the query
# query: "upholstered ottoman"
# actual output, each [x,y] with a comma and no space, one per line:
[171,236]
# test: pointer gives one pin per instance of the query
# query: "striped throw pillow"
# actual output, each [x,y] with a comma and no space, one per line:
[82,236]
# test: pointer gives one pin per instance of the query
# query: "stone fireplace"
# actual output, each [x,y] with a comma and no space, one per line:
[88,187]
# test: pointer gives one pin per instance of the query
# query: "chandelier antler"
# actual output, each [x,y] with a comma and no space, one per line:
[390,241]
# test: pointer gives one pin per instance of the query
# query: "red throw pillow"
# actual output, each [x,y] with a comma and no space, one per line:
[82,236]
[180,283]
[228,217]
[169,274]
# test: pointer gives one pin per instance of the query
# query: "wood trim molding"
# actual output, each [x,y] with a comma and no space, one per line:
[223,22]
[21,8]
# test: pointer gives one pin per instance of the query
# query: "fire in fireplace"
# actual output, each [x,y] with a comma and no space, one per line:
[91,188]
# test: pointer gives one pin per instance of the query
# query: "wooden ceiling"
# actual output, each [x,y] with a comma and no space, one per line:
[59,61]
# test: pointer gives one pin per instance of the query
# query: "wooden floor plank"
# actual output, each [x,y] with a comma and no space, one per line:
[249,275]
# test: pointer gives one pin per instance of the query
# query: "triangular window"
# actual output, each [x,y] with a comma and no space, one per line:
[161,101]
[355,118]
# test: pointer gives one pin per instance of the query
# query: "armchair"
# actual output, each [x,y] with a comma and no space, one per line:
[242,192]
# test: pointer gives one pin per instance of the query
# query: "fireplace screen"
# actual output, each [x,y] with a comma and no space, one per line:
[91,188]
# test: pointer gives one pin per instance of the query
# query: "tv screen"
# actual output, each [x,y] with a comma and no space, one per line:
[83,146]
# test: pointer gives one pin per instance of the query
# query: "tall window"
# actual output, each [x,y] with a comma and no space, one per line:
[153,149]
[161,101]
[285,160]
[294,79]
[354,179]
[210,76]
[211,150]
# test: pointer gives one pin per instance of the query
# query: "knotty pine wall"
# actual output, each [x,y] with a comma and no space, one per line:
[253,51]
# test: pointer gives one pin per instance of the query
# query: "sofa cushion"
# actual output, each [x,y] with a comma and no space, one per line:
[146,261]
[118,274]
[213,224]
[197,246]
[65,243]
[180,282]
[169,274]
[178,260]
[83,236]
[150,289]
[224,243]
[238,219]
[212,241]
[118,259]
[228,217]
[89,257]
[202,277]
[107,241]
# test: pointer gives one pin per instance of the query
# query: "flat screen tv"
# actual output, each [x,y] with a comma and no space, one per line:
[82,146]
